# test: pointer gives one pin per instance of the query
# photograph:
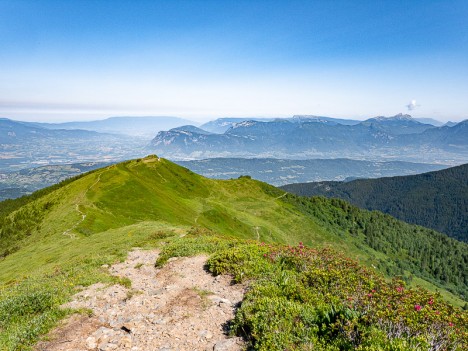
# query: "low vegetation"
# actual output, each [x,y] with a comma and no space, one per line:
[55,241]
[417,250]
[302,298]
[31,296]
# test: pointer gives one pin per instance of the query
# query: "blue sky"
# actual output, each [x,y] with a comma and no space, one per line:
[69,60]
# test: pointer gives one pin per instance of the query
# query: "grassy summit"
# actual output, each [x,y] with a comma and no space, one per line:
[57,239]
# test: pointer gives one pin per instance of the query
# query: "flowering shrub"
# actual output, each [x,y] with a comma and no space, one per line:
[307,299]
[301,298]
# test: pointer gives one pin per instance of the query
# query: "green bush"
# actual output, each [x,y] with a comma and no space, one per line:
[306,299]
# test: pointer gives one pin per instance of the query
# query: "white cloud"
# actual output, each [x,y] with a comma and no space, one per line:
[412,105]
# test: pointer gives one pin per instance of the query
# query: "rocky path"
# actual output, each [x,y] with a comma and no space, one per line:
[179,307]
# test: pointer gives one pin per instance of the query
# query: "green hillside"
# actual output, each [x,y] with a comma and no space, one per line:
[57,239]
[437,200]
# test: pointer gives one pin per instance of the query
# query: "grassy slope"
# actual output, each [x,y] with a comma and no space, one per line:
[134,193]
[129,205]
[159,194]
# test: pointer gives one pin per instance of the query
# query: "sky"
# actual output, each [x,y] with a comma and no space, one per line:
[84,60]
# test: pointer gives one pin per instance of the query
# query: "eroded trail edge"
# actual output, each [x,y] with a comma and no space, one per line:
[179,307]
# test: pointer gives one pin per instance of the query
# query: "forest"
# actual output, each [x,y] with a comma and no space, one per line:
[421,251]
[437,200]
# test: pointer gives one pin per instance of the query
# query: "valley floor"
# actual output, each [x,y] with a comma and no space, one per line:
[178,307]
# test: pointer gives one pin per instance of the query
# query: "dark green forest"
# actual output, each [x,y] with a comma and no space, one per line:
[423,252]
[437,200]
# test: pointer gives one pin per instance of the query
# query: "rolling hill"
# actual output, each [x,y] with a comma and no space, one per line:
[58,239]
[437,200]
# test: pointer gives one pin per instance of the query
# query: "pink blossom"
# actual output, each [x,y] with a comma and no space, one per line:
[417,307]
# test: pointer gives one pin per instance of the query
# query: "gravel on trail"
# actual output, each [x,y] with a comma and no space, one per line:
[179,307]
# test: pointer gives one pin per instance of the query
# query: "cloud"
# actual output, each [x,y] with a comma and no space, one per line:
[412,105]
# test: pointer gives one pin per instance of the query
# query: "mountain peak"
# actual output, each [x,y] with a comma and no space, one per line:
[244,124]
[402,116]
[189,129]
[398,117]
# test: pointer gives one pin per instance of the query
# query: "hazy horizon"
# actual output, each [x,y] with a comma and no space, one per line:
[200,60]
[195,120]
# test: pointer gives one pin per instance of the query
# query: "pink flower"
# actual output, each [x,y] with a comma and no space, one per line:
[417,307]
[399,289]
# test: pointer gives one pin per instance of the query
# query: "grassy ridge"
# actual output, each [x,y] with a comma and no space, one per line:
[156,190]
[95,219]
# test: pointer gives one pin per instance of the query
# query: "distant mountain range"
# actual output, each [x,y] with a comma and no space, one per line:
[221,125]
[438,200]
[283,171]
[134,126]
[396,138]
[13,132]
[398,125]
[25,145]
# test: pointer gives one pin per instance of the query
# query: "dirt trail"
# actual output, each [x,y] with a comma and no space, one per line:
[68,232]
[279,197]
[179,307]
